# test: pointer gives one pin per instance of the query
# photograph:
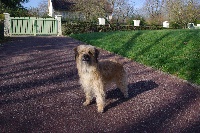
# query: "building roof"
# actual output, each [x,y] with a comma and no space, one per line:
[63,5]
[69,5]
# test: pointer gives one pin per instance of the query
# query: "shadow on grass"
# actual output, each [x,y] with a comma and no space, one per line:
[152,44]
[178,58]
[127,47]
[175,60]
[192,61]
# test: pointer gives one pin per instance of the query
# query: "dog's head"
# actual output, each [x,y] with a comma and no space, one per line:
[86,54]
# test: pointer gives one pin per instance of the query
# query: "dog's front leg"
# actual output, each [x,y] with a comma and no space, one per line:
[88,98]
[100,97]
[100,103]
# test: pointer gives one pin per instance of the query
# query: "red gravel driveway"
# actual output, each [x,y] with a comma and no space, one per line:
[39,92]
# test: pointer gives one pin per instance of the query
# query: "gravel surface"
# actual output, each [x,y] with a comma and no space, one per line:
[39,92]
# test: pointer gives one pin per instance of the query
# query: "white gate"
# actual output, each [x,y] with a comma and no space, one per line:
[32,26]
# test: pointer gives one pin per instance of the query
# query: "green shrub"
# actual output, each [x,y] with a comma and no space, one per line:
[88,27]
[84,27]
[197,22]
[175,25]
[79,27]
[2,17]
[1,30]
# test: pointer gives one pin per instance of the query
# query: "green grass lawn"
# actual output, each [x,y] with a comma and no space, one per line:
[173,51]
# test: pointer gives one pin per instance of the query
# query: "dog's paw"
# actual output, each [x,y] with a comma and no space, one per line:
[100,109]
[86,103]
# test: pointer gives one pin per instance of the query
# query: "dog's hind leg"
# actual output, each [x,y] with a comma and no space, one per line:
[122,85]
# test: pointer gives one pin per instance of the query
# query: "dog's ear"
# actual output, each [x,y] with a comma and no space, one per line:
[96,53]
[75,52]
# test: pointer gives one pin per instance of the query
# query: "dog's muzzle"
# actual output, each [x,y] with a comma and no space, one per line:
[85,57]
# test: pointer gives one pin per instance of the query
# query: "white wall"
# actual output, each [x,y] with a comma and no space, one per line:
[166,24]
[136,22]
[51,10]
[102,21]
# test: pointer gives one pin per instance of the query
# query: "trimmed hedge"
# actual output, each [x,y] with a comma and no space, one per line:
[2,17]
[1,29]
[88,27]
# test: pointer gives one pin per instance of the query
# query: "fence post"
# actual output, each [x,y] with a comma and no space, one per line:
[7,25]
[58,18]
[35,26]
[1,27]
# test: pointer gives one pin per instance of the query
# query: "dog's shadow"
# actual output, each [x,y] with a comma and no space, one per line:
[134,90]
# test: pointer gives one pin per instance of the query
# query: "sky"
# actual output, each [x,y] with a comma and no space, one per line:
[34,3]
[138,3]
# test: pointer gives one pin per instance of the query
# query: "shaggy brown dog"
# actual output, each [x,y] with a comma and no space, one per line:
[95,75]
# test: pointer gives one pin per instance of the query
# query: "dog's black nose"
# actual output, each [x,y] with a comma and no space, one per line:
[86,57]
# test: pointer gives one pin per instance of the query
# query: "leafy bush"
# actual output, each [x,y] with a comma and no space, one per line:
[84,27]
[2,17]
[175,25]
[197,22]
[1,29]
[88,27]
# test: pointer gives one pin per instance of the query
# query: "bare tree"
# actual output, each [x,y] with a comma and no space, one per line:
[41,10]
[154,10]
[33,12]
[122,10]
[182,12]
[92,9]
